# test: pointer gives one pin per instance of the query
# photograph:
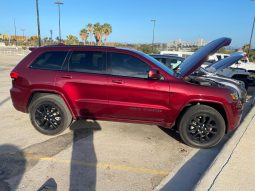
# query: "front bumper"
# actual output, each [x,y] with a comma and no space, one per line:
[235,112]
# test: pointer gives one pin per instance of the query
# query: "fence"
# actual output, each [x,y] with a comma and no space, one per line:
[12,50]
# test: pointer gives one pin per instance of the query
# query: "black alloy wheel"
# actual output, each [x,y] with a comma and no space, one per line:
[202,126]
[48,116]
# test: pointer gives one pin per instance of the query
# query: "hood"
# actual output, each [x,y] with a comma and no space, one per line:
[224,63]
[194,61]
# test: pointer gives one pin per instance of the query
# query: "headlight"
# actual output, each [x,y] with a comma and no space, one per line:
[234,96]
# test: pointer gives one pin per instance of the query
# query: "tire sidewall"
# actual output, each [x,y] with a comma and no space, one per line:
[65,115]
[196,110]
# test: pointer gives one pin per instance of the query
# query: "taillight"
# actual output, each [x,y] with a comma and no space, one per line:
[14,75]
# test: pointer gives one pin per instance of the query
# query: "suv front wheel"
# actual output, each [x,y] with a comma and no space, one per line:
[202,126]
[49,114]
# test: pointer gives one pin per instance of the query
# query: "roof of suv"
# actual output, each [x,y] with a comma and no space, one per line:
[62,46]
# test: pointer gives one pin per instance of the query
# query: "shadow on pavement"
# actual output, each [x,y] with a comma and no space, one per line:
[172,133]
[190,173]
[84,160]
[197,165]
[12,166]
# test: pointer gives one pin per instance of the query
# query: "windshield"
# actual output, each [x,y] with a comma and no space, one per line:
[156,62]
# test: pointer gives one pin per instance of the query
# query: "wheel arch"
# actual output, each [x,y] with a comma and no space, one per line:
[38,93]
[217,106]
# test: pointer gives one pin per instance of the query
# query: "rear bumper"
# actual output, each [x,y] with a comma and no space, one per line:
[19,99]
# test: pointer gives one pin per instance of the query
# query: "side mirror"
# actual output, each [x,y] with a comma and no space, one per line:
[154,74]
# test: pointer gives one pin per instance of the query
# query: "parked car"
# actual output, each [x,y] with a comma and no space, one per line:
[58,84]
[236,72]
[208,75]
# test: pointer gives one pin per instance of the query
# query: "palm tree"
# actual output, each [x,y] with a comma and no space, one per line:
[107,30]
[84,35]
[71,40]
[98,33]
[90,30]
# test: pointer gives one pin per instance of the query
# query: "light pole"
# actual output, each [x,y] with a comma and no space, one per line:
[38,24]
[23,33]
[153,30]
[50,34]
[15,34]
[251,36]
[59,28]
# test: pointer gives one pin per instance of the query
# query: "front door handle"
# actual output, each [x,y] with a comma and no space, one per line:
[67,77]
[117,81]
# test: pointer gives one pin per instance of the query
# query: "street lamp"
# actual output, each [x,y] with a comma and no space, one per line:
[153,30]
[15,33]
[59,29]
[251,33]
[23,33]
[38,24]
[251,36]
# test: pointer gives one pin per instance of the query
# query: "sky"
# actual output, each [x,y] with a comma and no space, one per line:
[131,19]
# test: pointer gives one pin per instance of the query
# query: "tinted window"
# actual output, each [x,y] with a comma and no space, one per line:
[87,61]
[173,62]
[126,65]
[162,60]
[49,60]
[156,62]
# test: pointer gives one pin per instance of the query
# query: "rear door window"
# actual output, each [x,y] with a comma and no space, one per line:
[50,60]
[87,61]
[126,65]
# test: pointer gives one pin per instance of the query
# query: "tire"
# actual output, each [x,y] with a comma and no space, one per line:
[49,114]
[202,127]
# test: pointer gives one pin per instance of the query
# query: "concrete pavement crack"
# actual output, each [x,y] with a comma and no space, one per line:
[232,152]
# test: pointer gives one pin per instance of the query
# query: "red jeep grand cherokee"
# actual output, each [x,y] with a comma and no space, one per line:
[58,84]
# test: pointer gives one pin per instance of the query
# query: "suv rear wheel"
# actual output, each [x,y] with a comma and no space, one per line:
[49,114]
[202,126]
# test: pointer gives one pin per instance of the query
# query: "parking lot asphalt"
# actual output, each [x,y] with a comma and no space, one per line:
[91,155]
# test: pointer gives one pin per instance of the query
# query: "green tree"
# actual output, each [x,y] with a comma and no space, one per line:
[71,40]
[148,49]
[84,35]
[251,52]
[107,30]
[98,32]
[90,31]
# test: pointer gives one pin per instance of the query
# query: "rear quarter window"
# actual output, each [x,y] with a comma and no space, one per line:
[49,60]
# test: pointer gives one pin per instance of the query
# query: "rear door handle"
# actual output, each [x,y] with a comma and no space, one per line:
[67,77]
[117,81]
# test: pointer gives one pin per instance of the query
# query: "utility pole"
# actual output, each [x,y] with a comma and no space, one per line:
[50,34]
[153,30]
[38,24]
[15,34]
[251,36]
[59,27]
[23,33]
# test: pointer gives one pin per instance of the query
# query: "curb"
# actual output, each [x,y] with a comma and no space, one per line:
[207,180]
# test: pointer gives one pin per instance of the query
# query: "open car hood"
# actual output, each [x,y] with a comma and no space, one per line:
[194,61]
[224,63]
